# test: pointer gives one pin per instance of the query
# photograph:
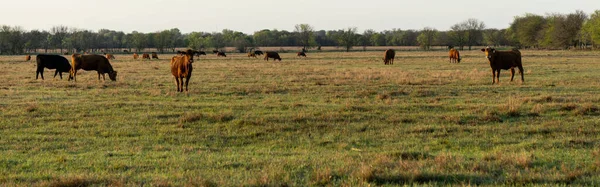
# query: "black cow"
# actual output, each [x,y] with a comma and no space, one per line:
[60,63]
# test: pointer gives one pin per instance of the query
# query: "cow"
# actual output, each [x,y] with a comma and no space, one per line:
[27,58]
[251,54]
[504,60]
[94,62]
[198,53]
[126,51]
[60,63]
[181,67]
[258,52]
[388,57]
[220,53]
[146,56]
[273,55]
[135,56]
[215,51]
[454,56]
[109,56]
[299,54]
[154,55]
[180,52]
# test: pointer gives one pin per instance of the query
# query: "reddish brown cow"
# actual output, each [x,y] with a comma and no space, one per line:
[504,60]
[251,54]
[135,56]
[299,54]
[454,56]
[154,55]
[28,58]
[273,55]
[146,56]
[388,57]
[181,67]
[221,54]
[97,63]
[109,56]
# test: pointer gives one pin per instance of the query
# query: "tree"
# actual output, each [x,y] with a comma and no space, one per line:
[348,38]
[305,35]
[427,37]
[528,30]
[139,41]
[59,33]
[591,28]
[365,38]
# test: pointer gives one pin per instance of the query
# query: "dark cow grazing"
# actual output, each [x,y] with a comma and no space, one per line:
[60,63]
[388,58]
[258,52]
[146,56]
[181,67]
[180,52]
[154,55]
[97,63]
[27,58]
[454,56]
[135,56]
[198,53]
[299,54]
[215,51]
[221,54]
[273,55]
[109,56]
[251,54]
[504,60]
[126,51]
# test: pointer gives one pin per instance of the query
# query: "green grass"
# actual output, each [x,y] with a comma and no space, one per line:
[340,119]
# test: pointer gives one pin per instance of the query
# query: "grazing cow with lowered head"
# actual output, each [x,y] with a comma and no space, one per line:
[60,63]
[181,67]
[504,60]
[146,56]
[215,51]
[198,53]
[109,56]
[454,56]
[154,55]
[221,54]
[92,62]
[273,55]
[258,52]
[135,56]
[251,54]
[299,54]
[27,58]
[388,57]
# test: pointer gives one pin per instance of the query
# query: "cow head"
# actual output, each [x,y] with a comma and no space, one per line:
[113,75]
[489,53]
[189,54]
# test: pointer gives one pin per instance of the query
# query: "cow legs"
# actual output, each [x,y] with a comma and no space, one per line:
[56,73]
[512,74]
[177,83]
[498,76]
[187,80]
[521,72]
[39,71]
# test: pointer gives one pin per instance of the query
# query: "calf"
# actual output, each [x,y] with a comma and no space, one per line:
[504,60]
[27,58]
[92,62]
[388,57]
[135,56]
[60,63]
[154,55]
[273,55]
[181,67]
[454,56]
[299,54]
[221,54]
[146,56]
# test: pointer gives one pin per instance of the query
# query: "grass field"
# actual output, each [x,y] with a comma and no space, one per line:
[332,119]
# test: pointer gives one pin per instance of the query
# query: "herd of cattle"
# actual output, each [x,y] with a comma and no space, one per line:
[181,64]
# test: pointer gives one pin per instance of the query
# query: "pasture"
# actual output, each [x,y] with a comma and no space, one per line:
[334,118]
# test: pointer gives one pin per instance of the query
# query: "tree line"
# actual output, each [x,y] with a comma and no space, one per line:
[550,31]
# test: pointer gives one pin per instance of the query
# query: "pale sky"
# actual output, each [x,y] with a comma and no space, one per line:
[253,15]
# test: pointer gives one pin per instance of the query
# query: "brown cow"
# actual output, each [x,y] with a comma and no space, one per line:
[299,54]
[154,55]
[94,62]
[146,56]
[181,67]
[388,58]
[109,56]
[135,56]
[273,55]
[454,56]
[220,53]
[27,58]
[504,60]
[251,54]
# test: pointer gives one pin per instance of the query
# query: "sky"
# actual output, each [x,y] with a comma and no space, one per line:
[249,16]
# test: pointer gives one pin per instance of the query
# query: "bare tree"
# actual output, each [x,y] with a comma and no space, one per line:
[306,36]
[59,33]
